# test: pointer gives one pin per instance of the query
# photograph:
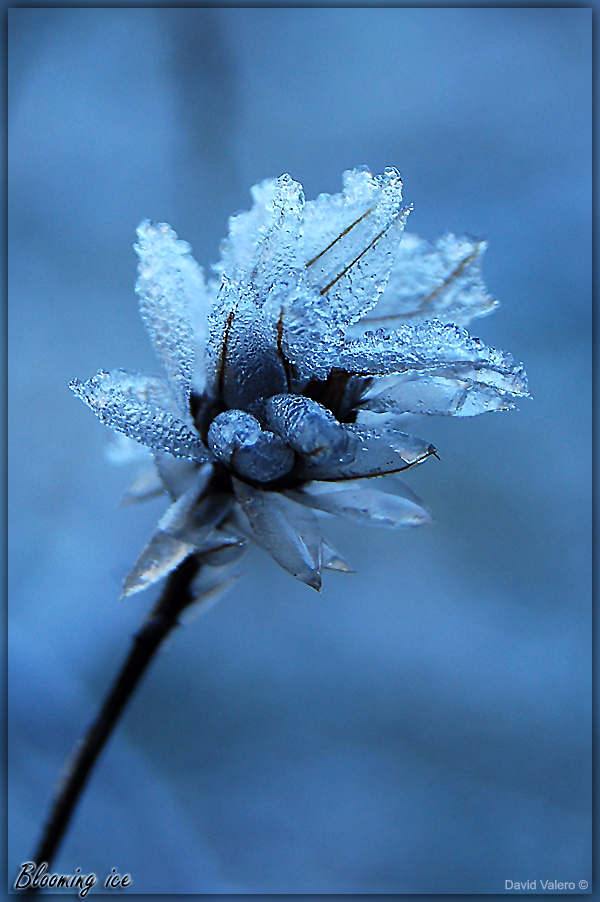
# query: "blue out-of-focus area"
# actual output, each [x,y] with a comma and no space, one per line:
[422,726]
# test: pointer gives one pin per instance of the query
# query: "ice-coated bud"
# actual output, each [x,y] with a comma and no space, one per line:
[237,439]
[309,428]
[229,431]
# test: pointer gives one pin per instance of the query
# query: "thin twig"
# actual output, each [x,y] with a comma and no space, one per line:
[157,626]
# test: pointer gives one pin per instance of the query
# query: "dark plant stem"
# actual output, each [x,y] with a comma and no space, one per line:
[160,621]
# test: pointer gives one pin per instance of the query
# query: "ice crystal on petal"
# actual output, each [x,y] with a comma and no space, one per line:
[438,369]
[350,241]
[262,267]
[170,286]
[427,281]
[278,255]
[129,403]
[151,391]
[426,347]
[287,377]
[269,231]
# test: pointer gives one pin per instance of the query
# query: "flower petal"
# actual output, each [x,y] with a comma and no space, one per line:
[209,587]
[403,489]
[376,452]
[350,241]
[266,240]
[362,504]
[243,359]
[290,533]
[132,404]
[437,369]
[187,527]
[333,560]
[262,266]
[458,391]
[177,475]
[279,249]
[164,553]
[147,484]
[172,289]
[425,347]
[223,548]
[427,281]
[193,517]
[160,556]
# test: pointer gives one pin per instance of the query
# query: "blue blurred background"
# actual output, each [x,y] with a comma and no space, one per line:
[422,726]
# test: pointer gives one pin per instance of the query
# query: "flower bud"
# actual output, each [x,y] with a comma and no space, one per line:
[237,439]
[309,428]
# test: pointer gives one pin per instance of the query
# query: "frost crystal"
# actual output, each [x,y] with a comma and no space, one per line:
[286,378]
[442,281]
[138,406]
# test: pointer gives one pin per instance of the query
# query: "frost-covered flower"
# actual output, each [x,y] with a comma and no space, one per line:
[288,376]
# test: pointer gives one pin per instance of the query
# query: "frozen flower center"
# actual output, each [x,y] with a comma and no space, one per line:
[297,424]
[237,439]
